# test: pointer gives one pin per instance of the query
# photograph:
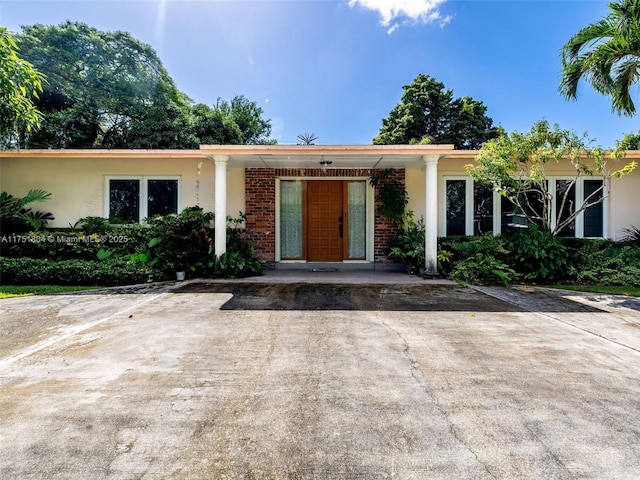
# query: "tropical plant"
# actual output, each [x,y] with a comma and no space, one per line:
[306,138]
[239,260]
[16,216]
[20,83]
[607,55]
[515,166]
[631,235]
[479,260]
[427,113]
[408,245]
[537,255]
[90,225]
[483,269]
[183,240]
[391,195]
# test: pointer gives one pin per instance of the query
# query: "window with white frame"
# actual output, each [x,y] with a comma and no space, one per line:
[133,199]
[473,209]
[469,207]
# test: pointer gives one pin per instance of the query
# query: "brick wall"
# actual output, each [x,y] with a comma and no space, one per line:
[260,192]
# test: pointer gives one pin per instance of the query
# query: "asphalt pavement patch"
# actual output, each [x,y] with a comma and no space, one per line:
[306,296]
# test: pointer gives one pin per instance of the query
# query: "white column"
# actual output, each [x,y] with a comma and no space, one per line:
[220,209]
[431,213]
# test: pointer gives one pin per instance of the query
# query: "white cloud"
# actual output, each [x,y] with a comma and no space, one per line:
[395,12]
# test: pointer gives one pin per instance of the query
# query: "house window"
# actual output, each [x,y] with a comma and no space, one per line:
[482,209]
[593,216]
[456,207]
[527,210]
[134,199]
[470,208]
[124,200]
[565,200]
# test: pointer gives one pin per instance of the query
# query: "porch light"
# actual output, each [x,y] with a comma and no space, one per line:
[324,164]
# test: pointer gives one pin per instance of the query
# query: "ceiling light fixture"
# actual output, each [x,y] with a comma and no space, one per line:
[324,164]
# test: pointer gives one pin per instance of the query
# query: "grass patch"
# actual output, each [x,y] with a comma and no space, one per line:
[612,290]
[8,291]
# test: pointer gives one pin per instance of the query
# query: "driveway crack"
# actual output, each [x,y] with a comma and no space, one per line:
[419,377]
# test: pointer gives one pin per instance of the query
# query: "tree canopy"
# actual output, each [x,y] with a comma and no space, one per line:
[515,165]
[607,55]
[428,113]
[108,90]
[20,84]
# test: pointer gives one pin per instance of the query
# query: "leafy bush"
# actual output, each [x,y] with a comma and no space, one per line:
[477,260]
[483,269]
[68,245]
[16,217]
[90,225]
[408,246]
[133,252]
[537,255]
[31,271]
[183,242]
[603,262]
[391,195]
[238,261]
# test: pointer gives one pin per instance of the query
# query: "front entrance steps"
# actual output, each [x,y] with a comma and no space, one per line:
[338,266]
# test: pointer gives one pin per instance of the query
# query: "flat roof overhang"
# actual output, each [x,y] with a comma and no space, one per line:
[280,156]
[335,156]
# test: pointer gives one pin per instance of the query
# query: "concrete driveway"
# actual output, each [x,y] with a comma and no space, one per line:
[171,384]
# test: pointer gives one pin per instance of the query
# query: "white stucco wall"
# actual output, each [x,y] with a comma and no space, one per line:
[78,185]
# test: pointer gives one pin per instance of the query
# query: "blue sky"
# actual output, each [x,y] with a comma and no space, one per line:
[336,68]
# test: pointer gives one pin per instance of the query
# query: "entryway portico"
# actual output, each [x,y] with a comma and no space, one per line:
[305,167]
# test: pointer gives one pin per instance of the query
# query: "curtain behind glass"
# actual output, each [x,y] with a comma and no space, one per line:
[291,234]
[357,215]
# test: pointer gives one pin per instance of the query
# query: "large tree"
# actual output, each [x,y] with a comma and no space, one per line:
[238,121]
[607,55]
[108,90]
[428,113]
[20,84]
[515,165]
[101,84]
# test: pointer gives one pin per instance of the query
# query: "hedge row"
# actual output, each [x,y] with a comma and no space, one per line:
[32,271]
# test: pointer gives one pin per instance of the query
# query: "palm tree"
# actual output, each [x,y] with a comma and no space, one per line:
[307,139]
[607,55]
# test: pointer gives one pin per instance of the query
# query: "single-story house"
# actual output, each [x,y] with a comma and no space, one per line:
[303,203]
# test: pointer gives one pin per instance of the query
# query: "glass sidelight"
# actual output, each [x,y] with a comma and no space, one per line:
[357,218]
[291,220]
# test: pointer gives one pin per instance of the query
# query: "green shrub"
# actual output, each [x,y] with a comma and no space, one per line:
[185,241]
[68,245]
[478,260]
[537,255]
[603,262]
[483,269]
[91,225]
[31,271]
[238,261]
[408,246]
[16,217]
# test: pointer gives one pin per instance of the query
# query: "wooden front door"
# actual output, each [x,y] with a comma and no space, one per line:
[324,220]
